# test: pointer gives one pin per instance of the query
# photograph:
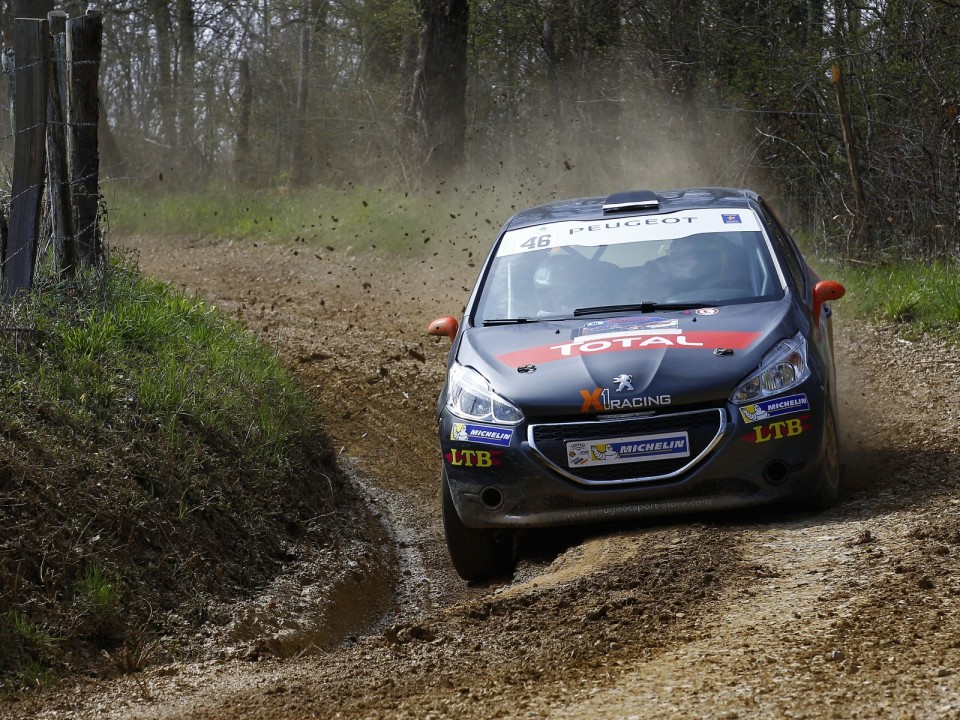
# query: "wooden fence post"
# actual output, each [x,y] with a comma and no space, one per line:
[58,177]
[31,9]
[84,44]
[10,69]
[32,50]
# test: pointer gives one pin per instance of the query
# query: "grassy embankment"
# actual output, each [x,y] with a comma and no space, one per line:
[156,461]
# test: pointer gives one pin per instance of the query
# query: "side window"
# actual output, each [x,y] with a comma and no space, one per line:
[785,247]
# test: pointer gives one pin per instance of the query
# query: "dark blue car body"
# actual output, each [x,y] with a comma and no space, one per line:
[653,392]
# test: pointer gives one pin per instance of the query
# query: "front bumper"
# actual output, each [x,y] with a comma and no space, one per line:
[551,473]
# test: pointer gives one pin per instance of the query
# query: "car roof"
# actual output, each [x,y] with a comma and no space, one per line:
[632,203]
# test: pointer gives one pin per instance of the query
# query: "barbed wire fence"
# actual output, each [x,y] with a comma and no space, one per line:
[53,209]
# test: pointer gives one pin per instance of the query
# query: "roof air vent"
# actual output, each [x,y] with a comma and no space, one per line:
[631,200]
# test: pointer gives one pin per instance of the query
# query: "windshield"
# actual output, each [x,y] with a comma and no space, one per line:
[704,257]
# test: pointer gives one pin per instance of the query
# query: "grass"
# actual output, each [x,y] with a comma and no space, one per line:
[165,359]
[25,644]
[154,459]
[917,297]
[96,593]
[389,222]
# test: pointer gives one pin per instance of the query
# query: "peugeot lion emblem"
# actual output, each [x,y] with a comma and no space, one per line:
[624,382]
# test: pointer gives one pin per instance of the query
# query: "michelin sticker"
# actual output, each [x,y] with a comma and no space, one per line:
[774,408]
[464,432]
[642,448]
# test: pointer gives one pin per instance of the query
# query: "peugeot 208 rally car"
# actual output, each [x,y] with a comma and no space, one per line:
[636,355]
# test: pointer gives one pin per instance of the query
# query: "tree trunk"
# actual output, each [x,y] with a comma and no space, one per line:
[301,154]
[442,86]
[6,23]
[548,42]
[600,88]
[241,159]
[851,148]
[319,73]
[186,85]
[319,10]
[160,11]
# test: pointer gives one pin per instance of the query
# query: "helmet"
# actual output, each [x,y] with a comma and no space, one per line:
[555,280]
[697,257]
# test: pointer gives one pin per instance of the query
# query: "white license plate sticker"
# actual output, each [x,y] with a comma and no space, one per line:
[641,448]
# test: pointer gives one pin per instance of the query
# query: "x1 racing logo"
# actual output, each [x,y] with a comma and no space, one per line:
[599,400]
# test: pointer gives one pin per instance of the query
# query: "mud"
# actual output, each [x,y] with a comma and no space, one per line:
[850,613]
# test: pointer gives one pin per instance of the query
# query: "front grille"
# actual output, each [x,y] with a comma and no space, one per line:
[704,429]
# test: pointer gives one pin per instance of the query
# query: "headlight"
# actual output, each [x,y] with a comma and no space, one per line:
[784,367]
[469,396]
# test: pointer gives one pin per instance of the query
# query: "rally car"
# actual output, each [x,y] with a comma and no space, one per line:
[635,355]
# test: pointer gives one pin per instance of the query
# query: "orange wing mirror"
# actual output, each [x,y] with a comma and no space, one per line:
[825,291]
[445,325]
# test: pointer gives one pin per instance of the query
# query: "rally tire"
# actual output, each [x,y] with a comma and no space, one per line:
[828,484]
[477,553]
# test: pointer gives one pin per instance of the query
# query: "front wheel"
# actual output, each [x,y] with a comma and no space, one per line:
[828,485]
[477,553]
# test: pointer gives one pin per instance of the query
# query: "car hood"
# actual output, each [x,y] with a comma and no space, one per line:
[626,363]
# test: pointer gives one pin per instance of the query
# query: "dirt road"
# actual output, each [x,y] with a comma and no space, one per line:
[852,613]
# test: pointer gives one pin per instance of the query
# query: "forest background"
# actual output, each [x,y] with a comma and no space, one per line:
[844,111]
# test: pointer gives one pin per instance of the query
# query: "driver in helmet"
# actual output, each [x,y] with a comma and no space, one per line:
[694,262]
[694,259]
[555,281]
